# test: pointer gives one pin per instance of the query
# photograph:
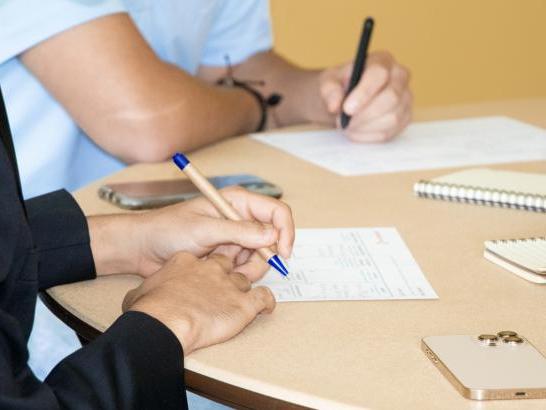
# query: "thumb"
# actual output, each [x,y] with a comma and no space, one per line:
[247,234]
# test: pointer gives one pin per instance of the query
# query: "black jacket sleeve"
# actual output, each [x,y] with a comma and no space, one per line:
[136,364]
[61,239]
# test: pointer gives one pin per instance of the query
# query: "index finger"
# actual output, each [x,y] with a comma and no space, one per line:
[266,210]
[375,77]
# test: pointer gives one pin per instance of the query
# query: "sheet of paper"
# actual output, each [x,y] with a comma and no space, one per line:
[425,145]
[349,264]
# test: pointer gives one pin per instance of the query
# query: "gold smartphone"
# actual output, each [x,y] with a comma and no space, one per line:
[499,366]
[155,194]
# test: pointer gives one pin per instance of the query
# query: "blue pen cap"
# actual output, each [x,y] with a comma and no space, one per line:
[181,160]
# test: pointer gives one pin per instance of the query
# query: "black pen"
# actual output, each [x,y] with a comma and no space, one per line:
[359,64]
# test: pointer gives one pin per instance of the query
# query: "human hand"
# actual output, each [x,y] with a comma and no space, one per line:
[198,228]
[380,105]
[203,302]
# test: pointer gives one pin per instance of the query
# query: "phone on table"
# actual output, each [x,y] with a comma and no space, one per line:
[155,194]
[497,366]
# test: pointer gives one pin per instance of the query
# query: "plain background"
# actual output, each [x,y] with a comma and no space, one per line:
[458,50]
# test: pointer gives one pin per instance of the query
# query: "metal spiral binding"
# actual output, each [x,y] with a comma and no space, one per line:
[480,196]
[518,240]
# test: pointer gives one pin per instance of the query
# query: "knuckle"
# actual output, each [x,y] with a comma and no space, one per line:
[406,73]
[218,264]
[287,208]
[409,97]
[260,295]
[392,119]
[392,97]
[266,297]
[215,266]
[381,74]
[402,73]
[325,87]
[183,257]
[245,284]
[261,228]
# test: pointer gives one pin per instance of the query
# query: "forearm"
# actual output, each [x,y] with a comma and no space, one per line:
[299,87]
[127,100]
[175,113]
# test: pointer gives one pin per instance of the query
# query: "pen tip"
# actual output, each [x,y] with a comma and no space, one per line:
[344,120]
[278,265]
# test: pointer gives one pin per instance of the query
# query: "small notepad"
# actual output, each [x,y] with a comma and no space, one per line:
[524,257]
[483,186]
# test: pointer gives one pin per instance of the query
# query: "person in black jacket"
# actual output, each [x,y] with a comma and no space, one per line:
[197,271]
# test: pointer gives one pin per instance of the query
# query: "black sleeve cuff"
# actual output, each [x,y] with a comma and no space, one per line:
[61,239]
[138,363]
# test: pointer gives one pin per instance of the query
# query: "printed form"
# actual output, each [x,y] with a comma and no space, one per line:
[349,264]
[423,145]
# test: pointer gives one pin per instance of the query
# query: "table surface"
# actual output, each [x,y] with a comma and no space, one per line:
[358,354]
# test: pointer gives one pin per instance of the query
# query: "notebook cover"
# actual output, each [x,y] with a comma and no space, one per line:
[522,182]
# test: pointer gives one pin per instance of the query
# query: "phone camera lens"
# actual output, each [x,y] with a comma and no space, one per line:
[506,333]
[489,340]
[513,340]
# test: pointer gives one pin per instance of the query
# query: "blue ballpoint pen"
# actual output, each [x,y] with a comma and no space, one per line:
[223,206]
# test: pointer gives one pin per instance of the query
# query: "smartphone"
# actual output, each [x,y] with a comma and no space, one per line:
[155,194]
[497,366]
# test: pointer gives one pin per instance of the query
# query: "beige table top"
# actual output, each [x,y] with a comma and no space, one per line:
[360,354]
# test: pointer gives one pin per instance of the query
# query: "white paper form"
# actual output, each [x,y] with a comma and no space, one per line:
[424,145]
[349,264]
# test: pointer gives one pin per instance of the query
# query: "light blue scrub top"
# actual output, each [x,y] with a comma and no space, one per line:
[52,151]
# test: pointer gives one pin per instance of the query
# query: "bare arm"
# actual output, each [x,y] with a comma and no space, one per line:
[127,100]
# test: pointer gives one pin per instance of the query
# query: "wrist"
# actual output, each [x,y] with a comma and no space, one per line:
[114,244]
[251,108]
[261,102]
[183,328]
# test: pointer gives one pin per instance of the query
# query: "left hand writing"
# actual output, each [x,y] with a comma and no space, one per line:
[380,105]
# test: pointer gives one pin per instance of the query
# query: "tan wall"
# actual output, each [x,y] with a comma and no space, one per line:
[458,50]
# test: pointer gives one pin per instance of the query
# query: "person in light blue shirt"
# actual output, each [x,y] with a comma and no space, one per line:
[92,85]
[54,151]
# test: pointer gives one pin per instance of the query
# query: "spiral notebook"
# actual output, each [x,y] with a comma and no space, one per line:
[524,257]
[508,189]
